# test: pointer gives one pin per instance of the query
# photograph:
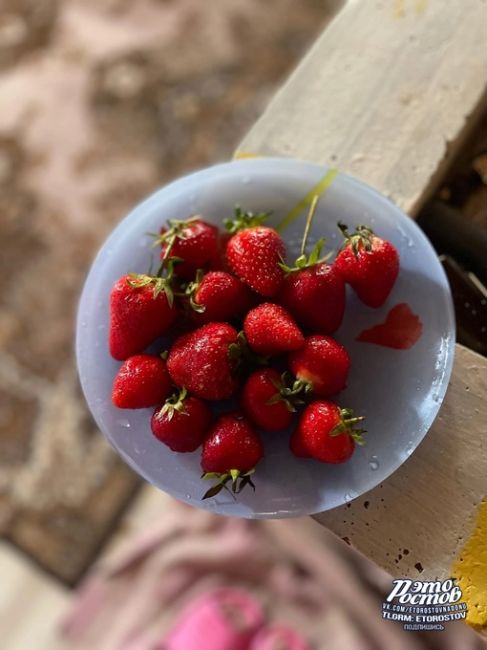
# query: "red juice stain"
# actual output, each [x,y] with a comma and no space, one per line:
[401,329]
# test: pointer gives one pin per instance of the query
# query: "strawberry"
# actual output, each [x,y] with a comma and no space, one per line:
[254,252]
[203,361]
[218,296]
[141,309]
[322,363]
[193,241]
[327,433]
[268,401]
[270,330]
[369,264]
[182,422]
[141,381]
[313,291]
[230,453]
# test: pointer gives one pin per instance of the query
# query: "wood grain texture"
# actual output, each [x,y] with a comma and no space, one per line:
[415,523]
[387,94]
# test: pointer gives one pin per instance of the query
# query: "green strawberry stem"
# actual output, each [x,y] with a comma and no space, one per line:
[175,403]
[304,261]
[309,221]
[239,481]
[362,235]
[175,231]
[243,220]
[347,425]
[288,393]
[162,281]
[191,290]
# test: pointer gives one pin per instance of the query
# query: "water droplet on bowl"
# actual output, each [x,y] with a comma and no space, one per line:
[405,237]
[349,496]
[188,496]
[409,448]
[124,423]
[374,463]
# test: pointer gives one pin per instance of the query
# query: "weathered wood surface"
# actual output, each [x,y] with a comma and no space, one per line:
[387,94]
[416,522]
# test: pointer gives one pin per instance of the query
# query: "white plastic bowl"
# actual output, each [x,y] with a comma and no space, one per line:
[399,392]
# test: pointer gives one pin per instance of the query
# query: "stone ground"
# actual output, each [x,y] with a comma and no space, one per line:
[102,101]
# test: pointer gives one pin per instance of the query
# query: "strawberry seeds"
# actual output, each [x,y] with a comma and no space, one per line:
[244,325]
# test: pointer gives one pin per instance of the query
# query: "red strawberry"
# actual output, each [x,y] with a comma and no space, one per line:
[255,252]
[369,264]
[182,422]
[194,241]
[218,296]
[142,381]
[141,310]
[314,293]
[203,361]
[326,432]
[230,452]
[322,363]
[267,400]
[270,330]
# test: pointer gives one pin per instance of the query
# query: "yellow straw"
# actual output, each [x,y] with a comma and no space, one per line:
[318,190]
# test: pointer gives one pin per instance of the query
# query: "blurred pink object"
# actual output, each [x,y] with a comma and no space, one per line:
[225,619]
[279,637]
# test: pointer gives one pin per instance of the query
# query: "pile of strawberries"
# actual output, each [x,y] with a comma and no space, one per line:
[244,325]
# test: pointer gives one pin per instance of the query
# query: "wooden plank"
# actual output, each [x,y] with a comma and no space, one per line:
[31,604]
[387,94]
[437,490]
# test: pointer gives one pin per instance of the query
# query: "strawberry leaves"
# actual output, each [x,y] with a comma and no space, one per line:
[243,220]
[361,236]
[162,281]
[238,481]
[289,393]
[305,261]
[347,425]
[175,231]
[174,404]
[190,292]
